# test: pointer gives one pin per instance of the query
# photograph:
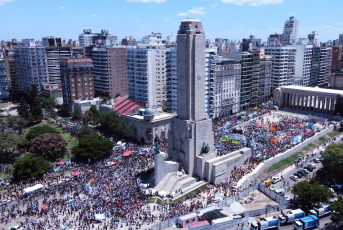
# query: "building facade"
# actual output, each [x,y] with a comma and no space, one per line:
[4,81]
[290,31]
[303,62]
[171,82]
[321,66]
[30,66]
[110,71]
[77,80]
[228,87]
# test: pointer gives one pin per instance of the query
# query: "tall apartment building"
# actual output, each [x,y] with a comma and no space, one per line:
[146,71]
[210,76]
[87,38]
[313,38]
[264,82]
[171,81]
[321,66]
[290,31]
[337,58]
[340,40]
[30,65]
[283,67]
[77,80]
[303,62]
[110,71]
[4,81]
[227,87]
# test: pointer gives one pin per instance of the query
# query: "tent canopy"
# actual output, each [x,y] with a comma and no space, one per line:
[76,173]
[45,207]
[61,163]
[127,153]
[99,216]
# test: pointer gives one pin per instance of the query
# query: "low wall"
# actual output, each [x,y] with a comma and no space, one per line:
[268,163]
[162,167]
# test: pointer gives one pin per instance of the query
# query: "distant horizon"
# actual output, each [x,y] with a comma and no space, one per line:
[229,19]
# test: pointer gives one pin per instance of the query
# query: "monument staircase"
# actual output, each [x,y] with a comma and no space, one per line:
[174,182]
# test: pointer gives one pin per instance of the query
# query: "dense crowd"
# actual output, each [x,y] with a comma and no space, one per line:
[112,187]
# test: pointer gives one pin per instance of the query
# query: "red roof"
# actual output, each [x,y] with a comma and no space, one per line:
[198,224]
[125,105]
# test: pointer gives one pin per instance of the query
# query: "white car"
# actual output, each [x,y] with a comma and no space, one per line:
[288,198]
[276,179]
[295,178]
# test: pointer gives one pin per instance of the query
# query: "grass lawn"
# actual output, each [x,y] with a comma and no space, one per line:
[334,133]
[284,162]
[322,139]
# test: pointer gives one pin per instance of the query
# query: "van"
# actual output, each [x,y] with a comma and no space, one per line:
[280,191]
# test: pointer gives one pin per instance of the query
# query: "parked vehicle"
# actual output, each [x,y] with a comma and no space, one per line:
[299,175]
[307,222]
[316,160]
[265,223]
[276,179]
[280,191]
[321,212]
[309,168]
[312,165]
[291,216]
[295,178]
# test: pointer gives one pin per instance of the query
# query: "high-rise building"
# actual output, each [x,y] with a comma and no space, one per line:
[264,83]
[290,31]
[340,40]
[321,66]
[313,38]
[51,41]
[274,39]
[283,67]
[4,81]
[171,82]
[30,65]
[227,87]
[303,64]
[87,38]
[77,80]
[337,58]
[210,76]
[147,71]
[110,71]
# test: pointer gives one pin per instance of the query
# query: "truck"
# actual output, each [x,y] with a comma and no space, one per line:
[265,223]
[321,212]
[308,222]
[291,216]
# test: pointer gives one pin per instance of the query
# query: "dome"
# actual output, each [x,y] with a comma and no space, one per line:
[149,112]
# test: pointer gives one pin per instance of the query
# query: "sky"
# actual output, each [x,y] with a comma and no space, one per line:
[232,19]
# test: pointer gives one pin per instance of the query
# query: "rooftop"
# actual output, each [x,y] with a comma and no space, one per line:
[125,105]
[191,20]
[313,89]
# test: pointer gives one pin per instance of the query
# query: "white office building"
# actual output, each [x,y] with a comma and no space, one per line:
[283,65]
[303,63]
[147,71]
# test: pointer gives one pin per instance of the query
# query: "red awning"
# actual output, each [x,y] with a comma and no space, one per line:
[127,153]
[76,173]
[61,163]
[45,207]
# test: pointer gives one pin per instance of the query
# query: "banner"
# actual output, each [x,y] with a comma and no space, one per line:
[236,142]
[225,139]
[297,139]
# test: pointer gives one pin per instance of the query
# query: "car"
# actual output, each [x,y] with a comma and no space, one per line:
[288,198]
[316,160]
[299,175]
[311,165]
[276,179]
[295,178]
[272,189]
[309,168]
[16,227]
[304,172]
[320,158]
[301,172]
[307,171]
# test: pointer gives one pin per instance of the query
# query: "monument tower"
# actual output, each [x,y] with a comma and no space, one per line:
[191,129]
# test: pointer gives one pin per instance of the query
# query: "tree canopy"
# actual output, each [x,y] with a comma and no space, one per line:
[50,146]
[333,161]
[39,130]
[8,145]
[30,105]
[81,130]
[29,166]
[112,124]
[17,123]
[92,147]
[309,194]
[337,206]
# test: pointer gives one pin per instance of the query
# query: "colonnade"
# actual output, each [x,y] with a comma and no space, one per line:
[320,103]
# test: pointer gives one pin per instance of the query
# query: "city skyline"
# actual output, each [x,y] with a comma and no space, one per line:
[232,19]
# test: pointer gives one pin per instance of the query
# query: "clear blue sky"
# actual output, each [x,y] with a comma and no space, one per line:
[233,19]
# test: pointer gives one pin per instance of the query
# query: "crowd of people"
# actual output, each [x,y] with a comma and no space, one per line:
[111,188]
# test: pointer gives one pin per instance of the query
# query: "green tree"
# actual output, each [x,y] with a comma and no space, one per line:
[30,105]
[39,130]
[48,102]
[8,147]
[333,161]
[63,110]
[18,123]
[81,130]
[112,124]
[337,206]
[309,194]
[92,147]
[50,146]
[29,166]
[77,114]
